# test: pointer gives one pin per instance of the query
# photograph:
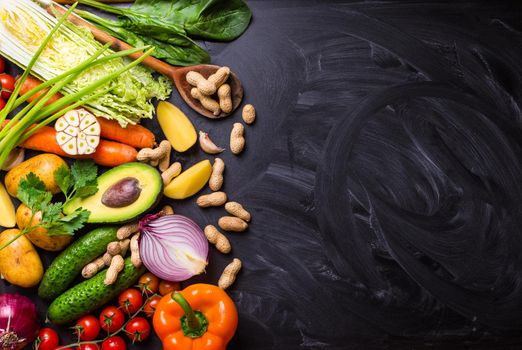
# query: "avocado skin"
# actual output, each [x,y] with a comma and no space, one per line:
[91,294]
[69,264]
[125,170]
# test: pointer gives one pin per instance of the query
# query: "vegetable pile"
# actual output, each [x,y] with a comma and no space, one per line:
[78,99]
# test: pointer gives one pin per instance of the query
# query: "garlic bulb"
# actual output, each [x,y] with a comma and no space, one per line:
[78,132]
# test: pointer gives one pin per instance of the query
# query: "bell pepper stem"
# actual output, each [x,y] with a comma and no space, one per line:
[194,324]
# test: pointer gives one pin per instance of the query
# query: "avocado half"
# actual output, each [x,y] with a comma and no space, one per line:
[149,182]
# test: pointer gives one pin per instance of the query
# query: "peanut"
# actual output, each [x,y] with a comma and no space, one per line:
[107,258]
[127,230]
[220,76]
[114,248]
[207,102]
[156,154]
[117,265]
[216,178]
[173,171]
[218,239]
[207,145]
[166,210]
[237,210]
[237,139]
[164,162]
[228,277]
[214,199]
[225,98]
[135,250]
[203,85]
[231,223]
[249,114]
[124,247]
[92,268]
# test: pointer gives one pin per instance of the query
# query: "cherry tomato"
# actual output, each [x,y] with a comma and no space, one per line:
[149,283]
[48,338]
[130,300]
[87,328]
[89,347]
[2,103]
[138,329]
[114,343]
[111,319]
[150,305]
[166,287]
[7,82]
[2,65]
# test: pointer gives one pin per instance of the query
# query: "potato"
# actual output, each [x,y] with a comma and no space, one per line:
[40,236]
[189,182]
[178,129]
[20,263]
[7,210]
[43,166]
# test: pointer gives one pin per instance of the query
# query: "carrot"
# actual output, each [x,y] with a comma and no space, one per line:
[108,153]
[133,135]
[30,83]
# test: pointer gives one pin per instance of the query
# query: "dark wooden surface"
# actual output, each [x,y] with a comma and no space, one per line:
[383,174]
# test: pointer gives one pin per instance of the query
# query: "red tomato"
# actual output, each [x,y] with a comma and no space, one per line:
[149,283]
[138,329]
[87,328]
[130,300]
[111,319]
[88,347]
[114,343]
[48,338]
[167,287]
[150,306]
[2,103]
[2,65]
[7,82]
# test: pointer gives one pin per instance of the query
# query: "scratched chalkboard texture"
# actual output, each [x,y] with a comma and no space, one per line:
[384,174]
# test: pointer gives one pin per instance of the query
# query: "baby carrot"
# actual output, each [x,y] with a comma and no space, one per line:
[108,153]
[133,135]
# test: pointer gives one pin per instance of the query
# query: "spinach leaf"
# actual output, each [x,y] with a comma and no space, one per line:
[170,41]
[222,20]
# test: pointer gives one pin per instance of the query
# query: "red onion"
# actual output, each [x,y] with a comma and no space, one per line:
[18,321]
[173,247]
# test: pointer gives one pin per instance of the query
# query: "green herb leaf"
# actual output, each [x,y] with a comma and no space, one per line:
[84,172]
[68,224]
[32,192]
[62,176]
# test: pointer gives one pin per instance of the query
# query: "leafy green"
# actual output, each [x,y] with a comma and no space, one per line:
[32,192]
[223,20]
[80,181]
[171,43]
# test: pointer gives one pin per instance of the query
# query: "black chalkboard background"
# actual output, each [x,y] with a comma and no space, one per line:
[384,174]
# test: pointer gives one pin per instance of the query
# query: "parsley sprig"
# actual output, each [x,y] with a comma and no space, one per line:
[78,182]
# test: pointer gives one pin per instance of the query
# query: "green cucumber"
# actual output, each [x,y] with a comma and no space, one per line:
[69,264]
[91,294]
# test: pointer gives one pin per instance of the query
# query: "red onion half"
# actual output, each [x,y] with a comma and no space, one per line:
[173,247]
[18,321]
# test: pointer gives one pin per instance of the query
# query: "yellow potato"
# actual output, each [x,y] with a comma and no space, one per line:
[20,263]
[178,129]
[40,236]
[189,182]
[7,210]
[43,166]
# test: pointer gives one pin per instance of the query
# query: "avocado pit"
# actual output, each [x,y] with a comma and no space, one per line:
[122,194]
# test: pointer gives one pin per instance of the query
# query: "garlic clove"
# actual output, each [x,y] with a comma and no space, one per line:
[207,145]
[61,124]
[70,147]
[92,141]
[72,118]
[62,138]
[16,157]
[71,130]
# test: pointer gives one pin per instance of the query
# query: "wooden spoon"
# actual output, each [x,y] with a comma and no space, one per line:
[176,74]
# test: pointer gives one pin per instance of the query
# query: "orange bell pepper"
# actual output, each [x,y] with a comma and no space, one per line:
[200,317]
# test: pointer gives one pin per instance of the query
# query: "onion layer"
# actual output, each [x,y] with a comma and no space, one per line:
[173,247]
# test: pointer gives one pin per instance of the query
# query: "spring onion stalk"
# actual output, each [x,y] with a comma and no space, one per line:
[32,62]
[15,135]
[24,24]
